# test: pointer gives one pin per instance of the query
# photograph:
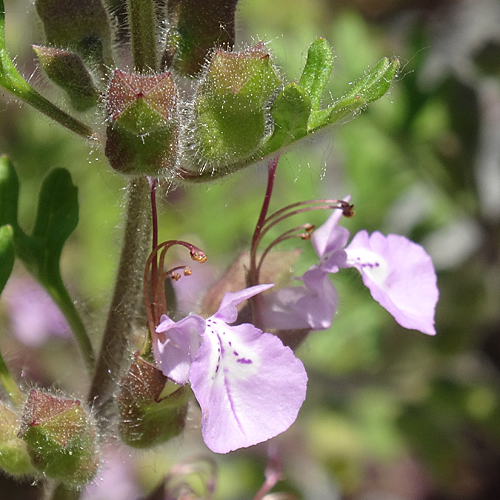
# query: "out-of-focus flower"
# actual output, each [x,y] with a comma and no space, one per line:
[117,480]
[34,316]
[249,385]
[399,274]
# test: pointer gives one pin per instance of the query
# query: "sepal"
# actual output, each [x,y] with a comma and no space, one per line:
[152,408]
[231,106]
[142,135]
[67,71]
[61,437]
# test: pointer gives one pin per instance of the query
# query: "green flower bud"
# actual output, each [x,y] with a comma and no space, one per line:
[152,407]
[67,71]
[195,28]
[231,117]
[14,457]
[61,438]
[142,135]
[78,26]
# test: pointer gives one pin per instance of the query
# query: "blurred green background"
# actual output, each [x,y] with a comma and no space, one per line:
[390,414]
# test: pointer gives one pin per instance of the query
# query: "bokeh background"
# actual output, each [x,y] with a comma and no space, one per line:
[390,414]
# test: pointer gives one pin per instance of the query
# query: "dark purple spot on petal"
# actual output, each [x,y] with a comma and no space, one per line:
[244,361]
[235,353]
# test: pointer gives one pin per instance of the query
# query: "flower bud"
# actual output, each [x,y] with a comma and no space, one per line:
[152,407]
[142,134]
[61,438]
[78,26]
[14,457]
[195,28]
[231,115]
[67,71]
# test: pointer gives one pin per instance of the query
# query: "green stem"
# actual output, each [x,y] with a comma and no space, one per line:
[127,296]
[142,21]
[66,305]
[10,386]
[12,81]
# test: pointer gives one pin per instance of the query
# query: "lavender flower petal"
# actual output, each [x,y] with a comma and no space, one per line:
[227,309]
[310,306]
[250,387]
[400,276]
[175,355]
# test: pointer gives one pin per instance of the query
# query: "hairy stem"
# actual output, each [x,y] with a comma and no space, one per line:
[127,296]
[63,300]
[142,21]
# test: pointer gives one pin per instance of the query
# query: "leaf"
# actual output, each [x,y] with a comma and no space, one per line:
[378,81]
[6,254]
[317,71]
[57,218]
[290,113]
[369,88]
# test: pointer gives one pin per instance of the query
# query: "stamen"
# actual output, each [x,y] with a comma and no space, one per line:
[154,290]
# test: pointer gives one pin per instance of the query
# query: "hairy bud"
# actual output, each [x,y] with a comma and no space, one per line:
[78,26]
[142,134]
[231,116]
[61,438]
[152,408]
[67,71]
[195,28]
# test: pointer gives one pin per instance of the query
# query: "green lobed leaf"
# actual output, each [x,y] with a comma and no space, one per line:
[377,81]
[57,218]
[317,71]
[6,254]
[290,113]
[369,88]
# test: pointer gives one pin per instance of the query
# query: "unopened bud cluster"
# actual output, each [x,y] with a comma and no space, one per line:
[224,124]
[237,111]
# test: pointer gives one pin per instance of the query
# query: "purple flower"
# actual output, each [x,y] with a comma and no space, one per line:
[249,385]
[399,274]
[33,314]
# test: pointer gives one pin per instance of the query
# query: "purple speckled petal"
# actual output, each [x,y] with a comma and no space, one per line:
[227,309]
[249,385]
[175,355]
[310,306]
[400,276]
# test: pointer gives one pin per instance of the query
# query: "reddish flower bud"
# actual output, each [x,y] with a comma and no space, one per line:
[152,407]
[142,134]
[61,437]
